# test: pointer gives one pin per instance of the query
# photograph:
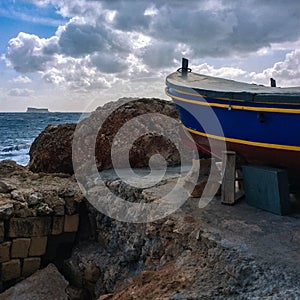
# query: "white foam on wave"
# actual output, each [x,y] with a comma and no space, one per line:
[20,156]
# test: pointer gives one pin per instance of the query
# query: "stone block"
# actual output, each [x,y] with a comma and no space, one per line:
[30,265]
[20,247]
[58,225]
[71,223]
[10,270]
[29,227]
[38,246]
[5,251]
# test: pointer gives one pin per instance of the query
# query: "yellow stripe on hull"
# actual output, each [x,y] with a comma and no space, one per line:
[244,142]
[237,107]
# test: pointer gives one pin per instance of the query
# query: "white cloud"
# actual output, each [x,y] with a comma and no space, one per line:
[28,53]
[224,72]
[286,73]
[22,79]
[20,92]
[78,74]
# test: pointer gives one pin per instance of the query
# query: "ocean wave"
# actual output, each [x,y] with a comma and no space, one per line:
[15,148]
[18,131]
[20,156]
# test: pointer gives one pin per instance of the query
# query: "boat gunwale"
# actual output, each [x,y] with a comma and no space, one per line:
[239,96]
[236,107]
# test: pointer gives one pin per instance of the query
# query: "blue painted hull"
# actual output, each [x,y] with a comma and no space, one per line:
[262,132]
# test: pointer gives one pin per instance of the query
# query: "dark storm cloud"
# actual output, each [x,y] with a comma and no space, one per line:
[81,39]
[109,63]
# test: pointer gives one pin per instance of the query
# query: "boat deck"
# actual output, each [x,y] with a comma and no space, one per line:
[223,88]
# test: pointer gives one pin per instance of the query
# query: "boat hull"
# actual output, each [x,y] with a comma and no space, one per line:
[246,154]
[260,133]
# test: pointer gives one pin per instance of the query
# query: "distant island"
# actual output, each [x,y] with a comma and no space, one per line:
[37,110]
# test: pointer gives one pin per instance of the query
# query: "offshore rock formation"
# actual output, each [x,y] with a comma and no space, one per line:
[52,150]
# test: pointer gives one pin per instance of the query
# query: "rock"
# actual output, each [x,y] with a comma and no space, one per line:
[92,273]
[10,167]
[51,151]
[17,195]
[6,186]
[6,210]
[43,209]
[46,284]
[76,293]
[35,198]
[145,146]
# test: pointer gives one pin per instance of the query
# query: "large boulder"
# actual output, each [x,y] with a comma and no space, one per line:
[137,115]
[52,150]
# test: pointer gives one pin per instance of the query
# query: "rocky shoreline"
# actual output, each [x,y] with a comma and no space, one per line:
[218,252]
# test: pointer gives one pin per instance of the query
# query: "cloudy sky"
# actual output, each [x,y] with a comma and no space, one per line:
[73,55]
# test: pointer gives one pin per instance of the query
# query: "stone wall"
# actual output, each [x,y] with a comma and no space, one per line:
[39,220]
[25,240]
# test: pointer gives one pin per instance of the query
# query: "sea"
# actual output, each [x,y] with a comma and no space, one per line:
[18,131]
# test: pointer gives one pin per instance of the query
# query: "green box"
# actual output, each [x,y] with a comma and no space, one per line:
[267,188]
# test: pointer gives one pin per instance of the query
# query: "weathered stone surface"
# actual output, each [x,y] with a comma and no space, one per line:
[29,227]
[92,273]
[58,225]
[20,247]
[59,210]
[17,195]
[6,186]
[149,142]
[38,246]
[6,210]
[71,223]
[5,251]
[36,194]
[10,167]
[35,198]
[51,151]
[46,284]
[43,209]
[10,270]
[30,265]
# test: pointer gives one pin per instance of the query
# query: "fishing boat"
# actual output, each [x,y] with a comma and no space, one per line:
[260,123]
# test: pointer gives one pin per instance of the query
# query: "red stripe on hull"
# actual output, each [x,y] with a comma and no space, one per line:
[250,154]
